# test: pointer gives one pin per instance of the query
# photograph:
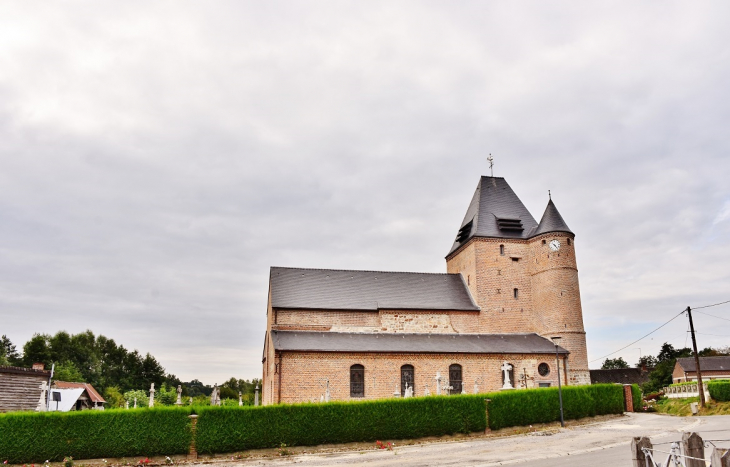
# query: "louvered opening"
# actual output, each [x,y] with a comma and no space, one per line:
[464,232]
[510,225]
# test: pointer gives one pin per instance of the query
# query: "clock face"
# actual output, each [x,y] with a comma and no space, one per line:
[554,245]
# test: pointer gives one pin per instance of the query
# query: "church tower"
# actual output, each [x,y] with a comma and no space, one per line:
[522,273]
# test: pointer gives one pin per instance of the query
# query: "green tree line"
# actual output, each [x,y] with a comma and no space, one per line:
[118,373]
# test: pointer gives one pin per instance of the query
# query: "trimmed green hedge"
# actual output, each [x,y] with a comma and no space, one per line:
[525,407]
[636,397]
[228,429]
[36,437]
[719,389]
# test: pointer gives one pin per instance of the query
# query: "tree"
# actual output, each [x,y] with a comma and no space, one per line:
[8,354]
[614,363]
[67,371]
[113,397]
[647,361]
[36,350]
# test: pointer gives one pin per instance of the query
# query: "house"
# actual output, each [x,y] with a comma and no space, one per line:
[492,321]
[621,376]
[65,396]
[712,368]
[23,388]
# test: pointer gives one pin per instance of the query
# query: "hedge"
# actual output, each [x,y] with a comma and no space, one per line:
[636,397]
[525,407]
[228,429]
[36,437]
[719,390]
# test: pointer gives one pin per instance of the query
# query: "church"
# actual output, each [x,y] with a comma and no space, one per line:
[508,302]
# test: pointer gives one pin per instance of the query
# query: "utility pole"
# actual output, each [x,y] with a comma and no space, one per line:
[697,359]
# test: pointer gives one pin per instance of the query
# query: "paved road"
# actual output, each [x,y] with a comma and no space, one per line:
[604,443]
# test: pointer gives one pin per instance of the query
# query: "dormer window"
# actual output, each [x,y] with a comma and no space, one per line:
[464,232]
[501,250]
[510,225]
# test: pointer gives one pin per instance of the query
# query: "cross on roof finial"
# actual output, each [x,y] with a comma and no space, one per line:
[549,195]
[491,164]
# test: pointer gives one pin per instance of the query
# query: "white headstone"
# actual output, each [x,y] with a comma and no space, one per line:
[438,383]
[135,402]
[240,399]
[152,395]
[327,392]
[426,392]
[126,404]
[506,368]
[179,395]
[256,396]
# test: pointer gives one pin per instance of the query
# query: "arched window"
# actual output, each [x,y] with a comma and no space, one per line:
[357,381]
[407,378]
[501,250]
[455,378]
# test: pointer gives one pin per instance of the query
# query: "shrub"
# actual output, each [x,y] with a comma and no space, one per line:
[36,437]
[227,429]
[525,407]
[719,390]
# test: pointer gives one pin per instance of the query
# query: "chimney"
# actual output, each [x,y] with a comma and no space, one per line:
[39,366]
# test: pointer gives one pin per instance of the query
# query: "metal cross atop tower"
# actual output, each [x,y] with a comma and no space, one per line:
[491,164]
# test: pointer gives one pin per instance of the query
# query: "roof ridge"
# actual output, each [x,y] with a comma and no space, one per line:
[366,270]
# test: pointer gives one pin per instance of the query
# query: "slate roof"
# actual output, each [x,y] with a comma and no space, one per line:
[329,289]
[307,341]
[620,375]
[551,221]
[706,363]
[495,211]
[94,396]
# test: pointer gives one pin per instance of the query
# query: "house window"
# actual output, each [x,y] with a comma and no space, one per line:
[543,385]
[357,381]
[543,369]
[455,378]
[407,378]
[516,292]
[501,250]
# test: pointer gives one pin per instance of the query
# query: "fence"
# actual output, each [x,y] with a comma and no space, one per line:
[690,452]
[684,391]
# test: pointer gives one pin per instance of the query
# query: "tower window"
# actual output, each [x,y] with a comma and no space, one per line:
[501,250]
[568,241]
[543,242]
[516,292]
[515,259]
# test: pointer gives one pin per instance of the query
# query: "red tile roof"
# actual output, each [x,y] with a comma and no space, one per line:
[93,395]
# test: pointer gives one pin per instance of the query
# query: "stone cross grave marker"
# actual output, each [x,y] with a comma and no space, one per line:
[506,368]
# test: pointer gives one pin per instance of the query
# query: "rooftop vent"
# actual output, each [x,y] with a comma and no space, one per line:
[510,225]
[464,232]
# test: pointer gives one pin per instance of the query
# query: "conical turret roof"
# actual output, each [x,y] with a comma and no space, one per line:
[551,221]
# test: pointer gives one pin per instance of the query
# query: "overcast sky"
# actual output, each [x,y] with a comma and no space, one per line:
[156,158]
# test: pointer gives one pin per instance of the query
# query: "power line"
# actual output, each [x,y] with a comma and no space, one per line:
[708,306]
[652,332]
[718,317]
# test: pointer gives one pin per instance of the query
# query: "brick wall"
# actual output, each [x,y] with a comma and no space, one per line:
[304,373]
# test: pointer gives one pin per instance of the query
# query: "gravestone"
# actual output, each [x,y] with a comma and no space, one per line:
[152,395]
[506,368]
[178,402]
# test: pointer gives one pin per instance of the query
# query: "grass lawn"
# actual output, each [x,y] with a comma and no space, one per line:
[681,407]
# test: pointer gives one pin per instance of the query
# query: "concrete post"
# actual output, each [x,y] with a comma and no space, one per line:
[193,454]
[693,446]
[637,455]
[720,457]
